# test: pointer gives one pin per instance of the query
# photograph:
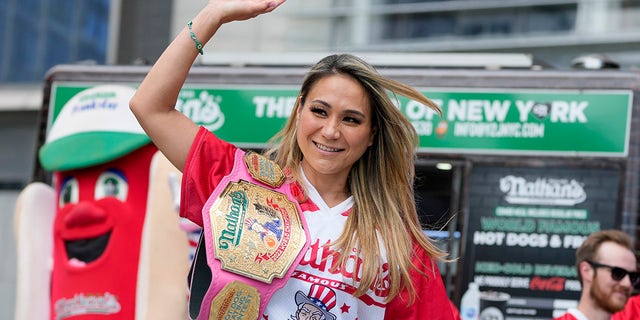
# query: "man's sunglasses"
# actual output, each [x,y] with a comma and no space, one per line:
[618,273]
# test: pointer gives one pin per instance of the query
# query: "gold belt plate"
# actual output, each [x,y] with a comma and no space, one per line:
[257,232]
[263,169]
[236,301]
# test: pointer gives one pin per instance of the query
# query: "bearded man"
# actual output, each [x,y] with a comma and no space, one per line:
[606,268]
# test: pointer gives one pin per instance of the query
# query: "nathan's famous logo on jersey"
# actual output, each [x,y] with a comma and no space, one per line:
[202,107]
[325,259]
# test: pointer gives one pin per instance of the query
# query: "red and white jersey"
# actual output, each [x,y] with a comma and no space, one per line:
[314,289]
[572,314]
[631,310]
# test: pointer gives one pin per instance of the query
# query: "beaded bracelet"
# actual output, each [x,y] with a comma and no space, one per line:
[193,36]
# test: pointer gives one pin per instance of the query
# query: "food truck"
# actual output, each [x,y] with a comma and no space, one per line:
[522,165]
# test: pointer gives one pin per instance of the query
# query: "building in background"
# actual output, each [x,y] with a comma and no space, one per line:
[554,31]
[34,36]
[38,34]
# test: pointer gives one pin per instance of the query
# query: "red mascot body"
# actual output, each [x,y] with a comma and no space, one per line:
[105,242]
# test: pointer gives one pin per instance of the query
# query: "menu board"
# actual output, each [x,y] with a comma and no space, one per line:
[523,227]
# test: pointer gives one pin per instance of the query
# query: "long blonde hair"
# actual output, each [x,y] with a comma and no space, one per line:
[381,181]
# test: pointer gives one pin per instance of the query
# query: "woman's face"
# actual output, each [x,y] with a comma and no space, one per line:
[334,126]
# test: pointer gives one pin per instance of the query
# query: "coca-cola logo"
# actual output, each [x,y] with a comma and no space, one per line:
[542,191]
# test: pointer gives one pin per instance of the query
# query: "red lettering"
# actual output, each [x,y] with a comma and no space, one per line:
[549,284]
[310,258]
[381,286]
[319,256]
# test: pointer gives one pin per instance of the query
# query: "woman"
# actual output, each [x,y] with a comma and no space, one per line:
[349,156]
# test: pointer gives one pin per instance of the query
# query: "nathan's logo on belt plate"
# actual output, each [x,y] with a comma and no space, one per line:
[257,232]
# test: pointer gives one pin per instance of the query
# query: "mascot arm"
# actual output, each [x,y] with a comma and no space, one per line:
[164,253]
[33,227]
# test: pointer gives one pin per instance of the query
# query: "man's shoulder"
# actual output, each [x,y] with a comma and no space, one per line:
[566,316]
[631,310]
[572,314]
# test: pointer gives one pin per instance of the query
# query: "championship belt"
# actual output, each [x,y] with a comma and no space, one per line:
[253,238]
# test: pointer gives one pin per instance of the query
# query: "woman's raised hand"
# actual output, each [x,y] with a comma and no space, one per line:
[236,10]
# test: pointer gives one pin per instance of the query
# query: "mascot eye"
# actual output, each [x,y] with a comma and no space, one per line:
[112,183]
[69,191]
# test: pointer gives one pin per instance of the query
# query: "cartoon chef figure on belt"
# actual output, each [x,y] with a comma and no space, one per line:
[104,241]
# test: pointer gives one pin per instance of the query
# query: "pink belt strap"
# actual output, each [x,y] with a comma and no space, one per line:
[254,236]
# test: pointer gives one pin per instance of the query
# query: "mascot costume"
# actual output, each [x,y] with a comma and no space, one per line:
[105,240]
